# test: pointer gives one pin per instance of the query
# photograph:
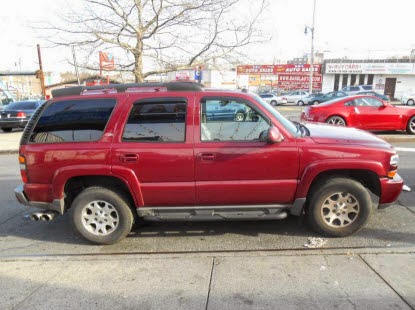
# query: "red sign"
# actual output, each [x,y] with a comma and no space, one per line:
[277,69]
[106,61]
[297,81]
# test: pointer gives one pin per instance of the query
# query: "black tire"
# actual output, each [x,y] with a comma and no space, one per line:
[315,102]
[300,102]
[410,102]
[274,103]
[6,129]
[348,220]
[410,127]
[336,121]
[96,197]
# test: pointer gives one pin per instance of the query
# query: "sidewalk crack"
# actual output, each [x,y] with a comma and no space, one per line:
[386,282]
[37,289]
[210,283]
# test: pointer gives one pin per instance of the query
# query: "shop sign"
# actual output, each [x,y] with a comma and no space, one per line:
[370,68]
[277,69]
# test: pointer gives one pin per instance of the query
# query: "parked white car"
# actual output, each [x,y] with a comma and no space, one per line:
[296,95]
[273,99]
[354,90]
[408,98]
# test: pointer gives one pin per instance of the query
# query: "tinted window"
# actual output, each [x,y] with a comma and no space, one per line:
[367,87]
[73,121]
[230,120]
[22,106]
[266,96]
[354,88]
[157,122]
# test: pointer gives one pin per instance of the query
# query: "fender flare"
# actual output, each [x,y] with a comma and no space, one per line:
[312,171]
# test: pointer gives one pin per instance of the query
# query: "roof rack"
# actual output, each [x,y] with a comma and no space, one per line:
[127,87]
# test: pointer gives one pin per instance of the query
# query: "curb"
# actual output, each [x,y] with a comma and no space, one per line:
[8,152]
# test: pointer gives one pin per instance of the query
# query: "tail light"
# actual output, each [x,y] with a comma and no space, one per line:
[283,98]
[23,170]
[21,115]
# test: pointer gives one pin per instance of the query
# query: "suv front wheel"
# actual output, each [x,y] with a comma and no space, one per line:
[339,207]
[101,215]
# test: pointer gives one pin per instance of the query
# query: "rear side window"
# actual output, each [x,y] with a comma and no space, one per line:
[22,106]
[367,87]
[156,122]
[73,121]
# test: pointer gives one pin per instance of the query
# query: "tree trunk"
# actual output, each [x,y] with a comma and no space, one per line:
[138,68]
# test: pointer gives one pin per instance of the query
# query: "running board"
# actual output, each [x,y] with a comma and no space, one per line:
[214,213]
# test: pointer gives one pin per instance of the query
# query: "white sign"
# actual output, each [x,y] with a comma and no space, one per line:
[371,68]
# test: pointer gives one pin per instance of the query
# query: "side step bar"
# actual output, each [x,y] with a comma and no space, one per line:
[214,213]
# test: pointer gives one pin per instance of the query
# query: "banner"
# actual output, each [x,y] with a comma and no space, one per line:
[106,61]
[277,69]
[370,68]
[291,81]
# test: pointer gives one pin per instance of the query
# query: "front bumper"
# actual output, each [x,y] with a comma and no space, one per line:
[57,205]
[390,190]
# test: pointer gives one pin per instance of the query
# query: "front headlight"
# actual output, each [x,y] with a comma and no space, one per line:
[394,160]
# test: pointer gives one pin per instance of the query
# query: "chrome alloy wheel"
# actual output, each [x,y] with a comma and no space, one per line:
[340,209]
[336,120]
[100,218]
[239,117]
[412,125]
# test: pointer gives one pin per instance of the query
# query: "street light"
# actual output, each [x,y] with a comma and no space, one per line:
[312,47]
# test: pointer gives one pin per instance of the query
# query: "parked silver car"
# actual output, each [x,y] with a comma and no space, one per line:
[408,98]
[273,99]
[296,95]
[354,90]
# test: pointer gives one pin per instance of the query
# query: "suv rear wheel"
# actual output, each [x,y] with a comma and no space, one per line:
[101,215]
[339,207]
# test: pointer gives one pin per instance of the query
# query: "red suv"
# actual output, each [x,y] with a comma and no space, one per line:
[113,154]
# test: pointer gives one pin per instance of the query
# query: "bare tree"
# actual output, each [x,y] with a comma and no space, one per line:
[158,36]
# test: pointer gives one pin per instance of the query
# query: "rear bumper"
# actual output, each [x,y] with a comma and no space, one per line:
[13,123]
[57,205]
[390,190]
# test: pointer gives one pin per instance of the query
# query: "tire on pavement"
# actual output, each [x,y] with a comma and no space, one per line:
[300,102]
[101,215]
[410,102]
[339,207]
[315,102]
[336,120]
[273,103]
[410,127]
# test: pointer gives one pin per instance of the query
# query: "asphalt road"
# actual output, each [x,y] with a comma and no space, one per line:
[393,227]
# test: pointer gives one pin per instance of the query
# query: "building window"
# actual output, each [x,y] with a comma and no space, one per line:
[370,79]
[352,79]
[345,78]
[361,79]
[336,82]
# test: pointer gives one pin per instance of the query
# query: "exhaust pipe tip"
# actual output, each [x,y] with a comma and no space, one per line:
[35,216]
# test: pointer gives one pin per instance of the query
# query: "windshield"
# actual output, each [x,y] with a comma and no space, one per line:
[285,122]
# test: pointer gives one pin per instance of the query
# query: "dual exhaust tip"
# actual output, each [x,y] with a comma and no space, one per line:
[43,216]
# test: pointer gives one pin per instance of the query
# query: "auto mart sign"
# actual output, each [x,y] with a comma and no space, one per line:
[291,81]
[370,68]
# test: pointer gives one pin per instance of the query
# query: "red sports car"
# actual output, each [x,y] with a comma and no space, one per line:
[363,112]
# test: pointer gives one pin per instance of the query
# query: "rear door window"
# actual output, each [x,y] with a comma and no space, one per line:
[73,121]
[157,121]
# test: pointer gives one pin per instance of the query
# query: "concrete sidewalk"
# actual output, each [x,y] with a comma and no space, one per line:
[9,142]
[300,281]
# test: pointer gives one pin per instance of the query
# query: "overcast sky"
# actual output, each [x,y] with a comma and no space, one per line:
[353,28]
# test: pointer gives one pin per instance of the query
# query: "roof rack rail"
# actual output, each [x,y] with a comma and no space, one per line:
[120,88]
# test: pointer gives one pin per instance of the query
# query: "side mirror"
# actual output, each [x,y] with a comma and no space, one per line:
[272,135]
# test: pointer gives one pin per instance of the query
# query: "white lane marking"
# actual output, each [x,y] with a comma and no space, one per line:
[405,149]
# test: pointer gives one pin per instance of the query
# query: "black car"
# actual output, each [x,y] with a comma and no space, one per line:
[373,93]
[17,114]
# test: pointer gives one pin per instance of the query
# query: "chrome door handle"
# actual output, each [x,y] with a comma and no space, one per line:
[129,158]
[206,156]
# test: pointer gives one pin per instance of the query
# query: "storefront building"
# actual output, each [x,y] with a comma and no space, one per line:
[389,78]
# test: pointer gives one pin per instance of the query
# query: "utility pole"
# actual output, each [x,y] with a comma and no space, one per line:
[41,76]
[312,48]
[76,65]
